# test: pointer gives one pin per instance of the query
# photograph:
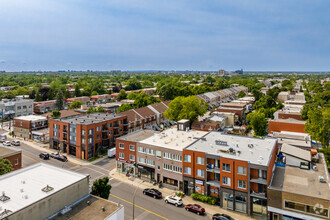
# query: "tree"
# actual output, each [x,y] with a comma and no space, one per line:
[101,188]
[5,166]
[168,91]
[186,108]
[318,125]
[125,107]
[59,100]
[38,97]
[258,122]
[56,114]
[77,92]
[257,94]
[133,84]
[122,94]
[100,109]
[76,104]
[91,110]
[95,93]
[241,94]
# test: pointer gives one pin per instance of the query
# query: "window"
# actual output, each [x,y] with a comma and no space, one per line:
[120,122]
[150,151]
[98,136]
[121,155]
[200,160]
[241,184]
[187,158]
[131,157]
[98,128]
[90,131]
[90,140]
[158,154]
[19,107]
[110,125]
[142,149]
[263,174]
[16,161]
[293,205]
[226,181]
[187,170]
[110,133]
[226,167]
[158,168]
[24,106]
[167,166]
[200,173]
[83,141]
[72,138]
[241,170]
[314,210]
[121,146]
[131,147]
[82,132]
[142,160]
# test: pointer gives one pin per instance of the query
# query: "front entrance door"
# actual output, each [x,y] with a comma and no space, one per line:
[158,177]
[185,187]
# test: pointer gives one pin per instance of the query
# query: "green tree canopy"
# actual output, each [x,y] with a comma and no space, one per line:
[125,107]
[186,108]
[318,125]
[5,166]
[76,104]
[59,100]
[122,94]
[56,114]
[241,94]
[257,94]
[94,93]
[101,188]
[258,122]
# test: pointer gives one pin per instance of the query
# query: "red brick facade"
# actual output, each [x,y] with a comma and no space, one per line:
[291,126]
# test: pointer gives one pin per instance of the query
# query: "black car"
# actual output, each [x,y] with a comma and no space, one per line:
[153,193]
[221,217]
[44,156]
[62,158]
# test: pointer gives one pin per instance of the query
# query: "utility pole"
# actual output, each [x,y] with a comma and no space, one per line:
[134,197]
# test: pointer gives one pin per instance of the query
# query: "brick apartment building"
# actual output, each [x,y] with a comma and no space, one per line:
[14,155]
[85,99]
[290,125]
[100,99]
[24,126]
[44,106]
[235,169]
[86,136]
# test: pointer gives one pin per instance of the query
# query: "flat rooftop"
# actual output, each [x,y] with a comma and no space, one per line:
[94,210]
[31,118]
[173,139]
[290,120]
[303,182]
[254,150]
[90,119]
[24,186]
[8,151]
[137,135]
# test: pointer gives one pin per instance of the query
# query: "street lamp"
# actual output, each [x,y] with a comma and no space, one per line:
[134,196]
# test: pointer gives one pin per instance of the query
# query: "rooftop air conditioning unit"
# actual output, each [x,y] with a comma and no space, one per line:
[321,179]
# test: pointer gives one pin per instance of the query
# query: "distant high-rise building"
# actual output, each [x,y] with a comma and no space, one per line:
[239,72]
[222,72]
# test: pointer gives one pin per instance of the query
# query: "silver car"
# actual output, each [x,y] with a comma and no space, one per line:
[175,200]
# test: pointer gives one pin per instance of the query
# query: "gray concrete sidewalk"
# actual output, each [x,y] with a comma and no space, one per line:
[210,209]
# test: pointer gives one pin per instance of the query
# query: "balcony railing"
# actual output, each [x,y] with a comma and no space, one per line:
[213,170]
[259,181]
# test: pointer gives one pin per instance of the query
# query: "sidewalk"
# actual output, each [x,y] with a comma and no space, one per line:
[210,209]
[45,148]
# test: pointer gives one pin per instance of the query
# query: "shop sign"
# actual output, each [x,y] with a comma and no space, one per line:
[199,182]
[141,167]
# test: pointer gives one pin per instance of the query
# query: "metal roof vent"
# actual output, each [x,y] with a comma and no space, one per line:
[47,188]
[222,143]
[3,197]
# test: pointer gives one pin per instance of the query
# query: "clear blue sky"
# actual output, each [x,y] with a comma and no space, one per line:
[168,35]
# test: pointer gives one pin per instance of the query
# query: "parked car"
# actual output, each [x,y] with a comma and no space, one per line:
[221,217]
[62,158]
[7,143]
[195,208]
[15,143]
[3,136]
[44,156]
[153,193]
[54,155]
[2,139]
[175,200]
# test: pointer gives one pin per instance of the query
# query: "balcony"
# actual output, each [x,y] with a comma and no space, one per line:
[215,183]
[258,195]
[259,181]
[115,126]
[214,170]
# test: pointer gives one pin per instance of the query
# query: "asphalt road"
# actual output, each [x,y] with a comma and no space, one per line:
[145,207]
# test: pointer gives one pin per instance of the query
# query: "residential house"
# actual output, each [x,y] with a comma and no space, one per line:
[13,154]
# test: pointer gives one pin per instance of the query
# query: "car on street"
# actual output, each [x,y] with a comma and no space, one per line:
[195,208]
[175,200]
[153,193]
[221,217]
[7,143]
[54,155]
[62,158]
[2,139]
[15,143]
[44,156]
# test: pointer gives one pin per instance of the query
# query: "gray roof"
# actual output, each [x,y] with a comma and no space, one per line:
[90,119]
[296,152]
[254,150]
[137,135]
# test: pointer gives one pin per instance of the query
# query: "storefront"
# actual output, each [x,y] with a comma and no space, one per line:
[146,173]
[126,167]
[188,185]
[200,186]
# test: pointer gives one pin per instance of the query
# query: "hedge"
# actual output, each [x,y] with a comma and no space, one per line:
[207,199]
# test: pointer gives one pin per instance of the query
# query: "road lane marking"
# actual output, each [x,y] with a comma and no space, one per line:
[139,206]
[30,158]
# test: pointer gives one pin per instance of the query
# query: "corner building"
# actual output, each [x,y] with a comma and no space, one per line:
[235,169]
[86,136]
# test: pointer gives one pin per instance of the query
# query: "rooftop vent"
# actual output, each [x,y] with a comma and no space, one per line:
[47,189]
[321,179]
[5,213]
[222,143]
[3,197]
[231,150]
[250,145]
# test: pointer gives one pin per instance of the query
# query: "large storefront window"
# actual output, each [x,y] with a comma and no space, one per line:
[240,203]
[170,181]
[259,206]
[227,200]
[125,168]
[146,173]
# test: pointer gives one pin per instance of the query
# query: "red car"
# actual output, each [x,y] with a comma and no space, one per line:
[195,208]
